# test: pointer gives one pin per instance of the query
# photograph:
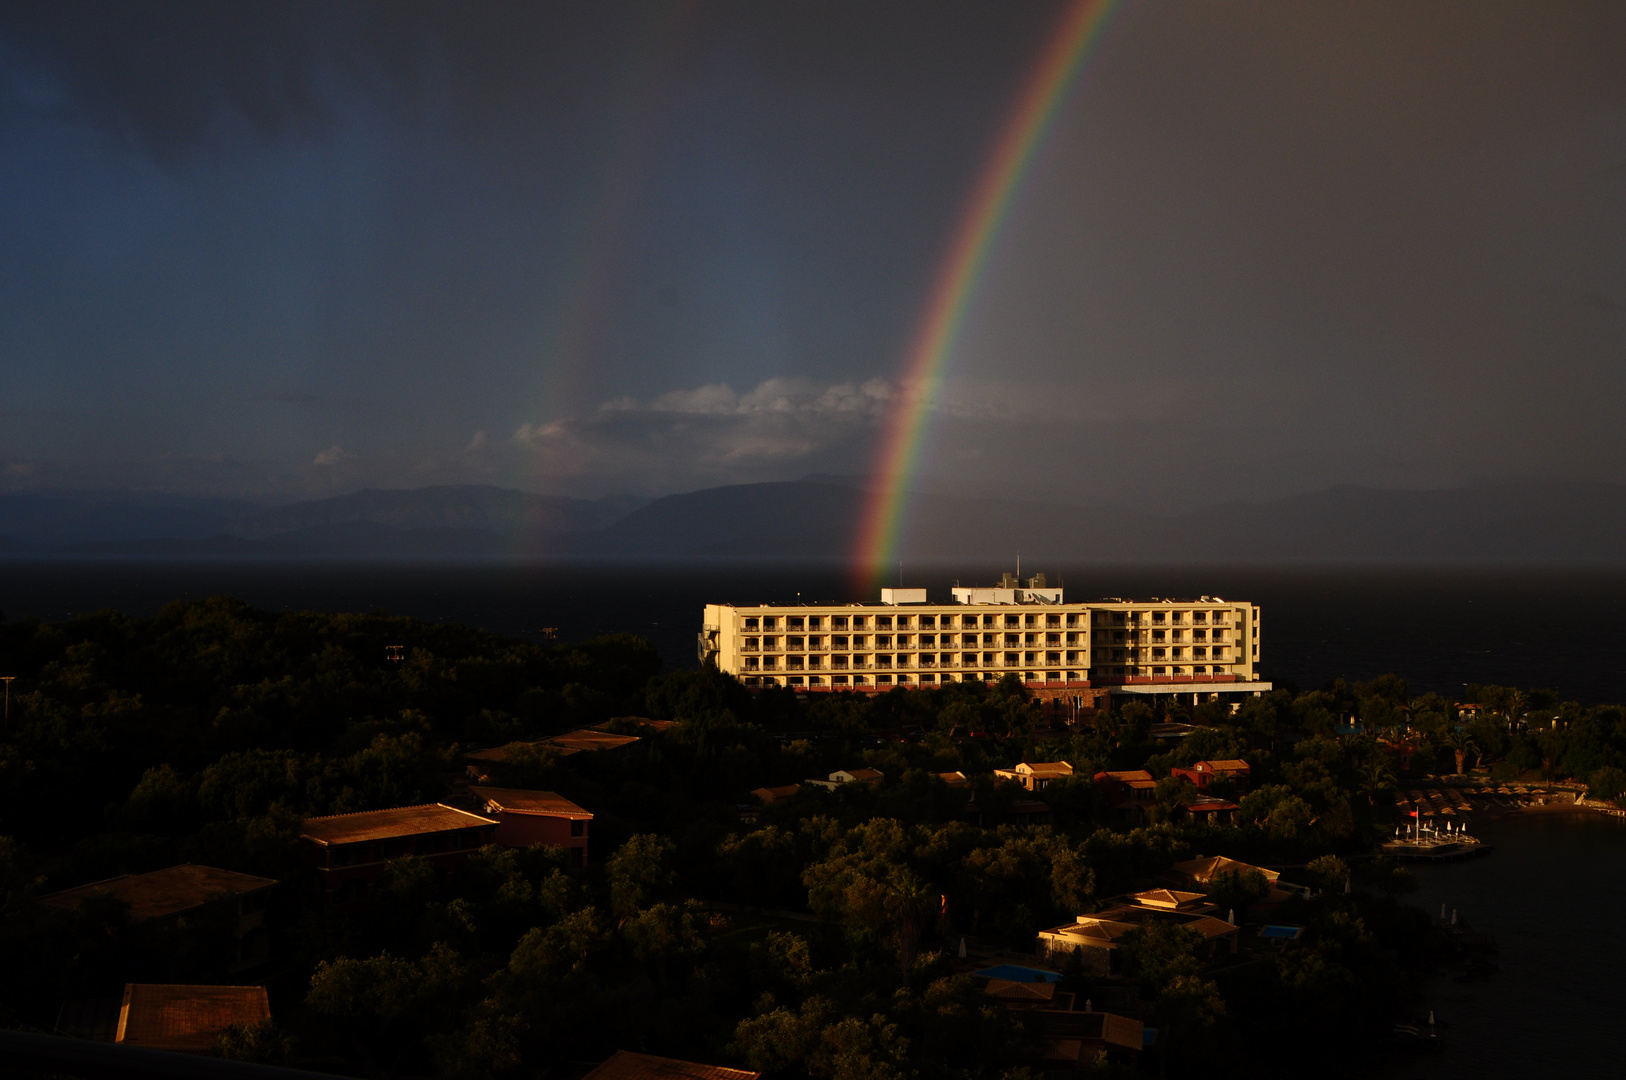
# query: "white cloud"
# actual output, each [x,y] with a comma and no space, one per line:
[333,455]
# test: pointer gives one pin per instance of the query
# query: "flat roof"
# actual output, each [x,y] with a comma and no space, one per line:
[586,739]
[1191,686]
[165,892]
[521,801]
[387,824]
[626,1065]
[187,1018]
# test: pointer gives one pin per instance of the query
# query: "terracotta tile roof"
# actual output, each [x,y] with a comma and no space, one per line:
[1045,768]
[587,739]
[1203,805]
[500,753]
[187,1018]
[1226,765]
[863,774]
[954,779]
[641,721]
[388,824]
[625,1065]
[770,795]
[1128,776]
[1167,898]
[1204,870]
[1210,927]
[1098,930]
[1072,1031]
[1008,990]
[165,892]
[520,801]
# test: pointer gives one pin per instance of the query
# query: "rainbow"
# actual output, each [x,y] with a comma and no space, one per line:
[935,339]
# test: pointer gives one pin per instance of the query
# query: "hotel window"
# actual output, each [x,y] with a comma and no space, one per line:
[860,641]
[1199,616]
[989,639]
[883,680]
[1010,659]
[1218,652]
[814,622]
[883,641]
[1030,639]
[768,663]
[1030,658]
[1013,622]
[883,622]
[883,659]
[751,663]
[770,643]
[813,661]
[1174,635]
[839,641]
[1117,636]
[860,660]
[1157,654]
[1199,635]
[968,639]
[987,659]
[946,659]
[793,622]
[1052,639]
[903,622]
[1052,620]
[1157,671]
[1030,620]
[1176,652]
[1072,658]
[793,662]
[968,660]
[838,622]
[1013,639]
[815,643]
[794,643]
[859,621]
[838,661]
[967,621]
[987,621]
[928,622]
[1072,619]
[1118,654]
[928,641]
[1052,657]
[904,641]
[1157,616]
[1199,670]
[839,680]
[751,643]
[751,624]
[1199,653]
[1157,635]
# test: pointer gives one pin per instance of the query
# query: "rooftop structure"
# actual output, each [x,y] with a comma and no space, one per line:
[1036,775]
[188,1019]
[1021,627]
[536,817]
[396,823]
[165,892]
[625,1065]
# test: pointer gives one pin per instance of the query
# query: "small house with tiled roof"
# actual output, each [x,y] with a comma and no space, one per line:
[536,817]
[771,796]
[187,1019]
[176,890]
[1204,773]
[1128,792]
[350,851]
[1036,775]
[626,1065]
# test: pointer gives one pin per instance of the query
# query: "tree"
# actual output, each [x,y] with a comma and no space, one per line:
[640,873]
[1462,744]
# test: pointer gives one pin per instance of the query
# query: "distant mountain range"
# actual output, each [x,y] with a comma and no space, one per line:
[817,518]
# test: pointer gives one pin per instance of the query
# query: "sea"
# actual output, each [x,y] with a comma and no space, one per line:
[1440,628]
[1547,892]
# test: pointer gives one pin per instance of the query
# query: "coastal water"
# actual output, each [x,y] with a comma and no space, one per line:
[1440,628]
[1550,896]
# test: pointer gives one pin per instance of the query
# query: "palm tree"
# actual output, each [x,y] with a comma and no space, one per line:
[1462,744]
[910,902]
[1376,778]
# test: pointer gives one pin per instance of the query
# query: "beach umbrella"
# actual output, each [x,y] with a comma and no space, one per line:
[962,941]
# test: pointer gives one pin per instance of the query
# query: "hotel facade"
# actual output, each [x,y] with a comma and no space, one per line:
[1021,627]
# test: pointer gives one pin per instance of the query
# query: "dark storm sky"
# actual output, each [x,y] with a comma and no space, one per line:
[289,249]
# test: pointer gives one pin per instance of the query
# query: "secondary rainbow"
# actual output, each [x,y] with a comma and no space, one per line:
[1058,68]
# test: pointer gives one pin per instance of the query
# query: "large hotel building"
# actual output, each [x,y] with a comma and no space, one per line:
[1020,626]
